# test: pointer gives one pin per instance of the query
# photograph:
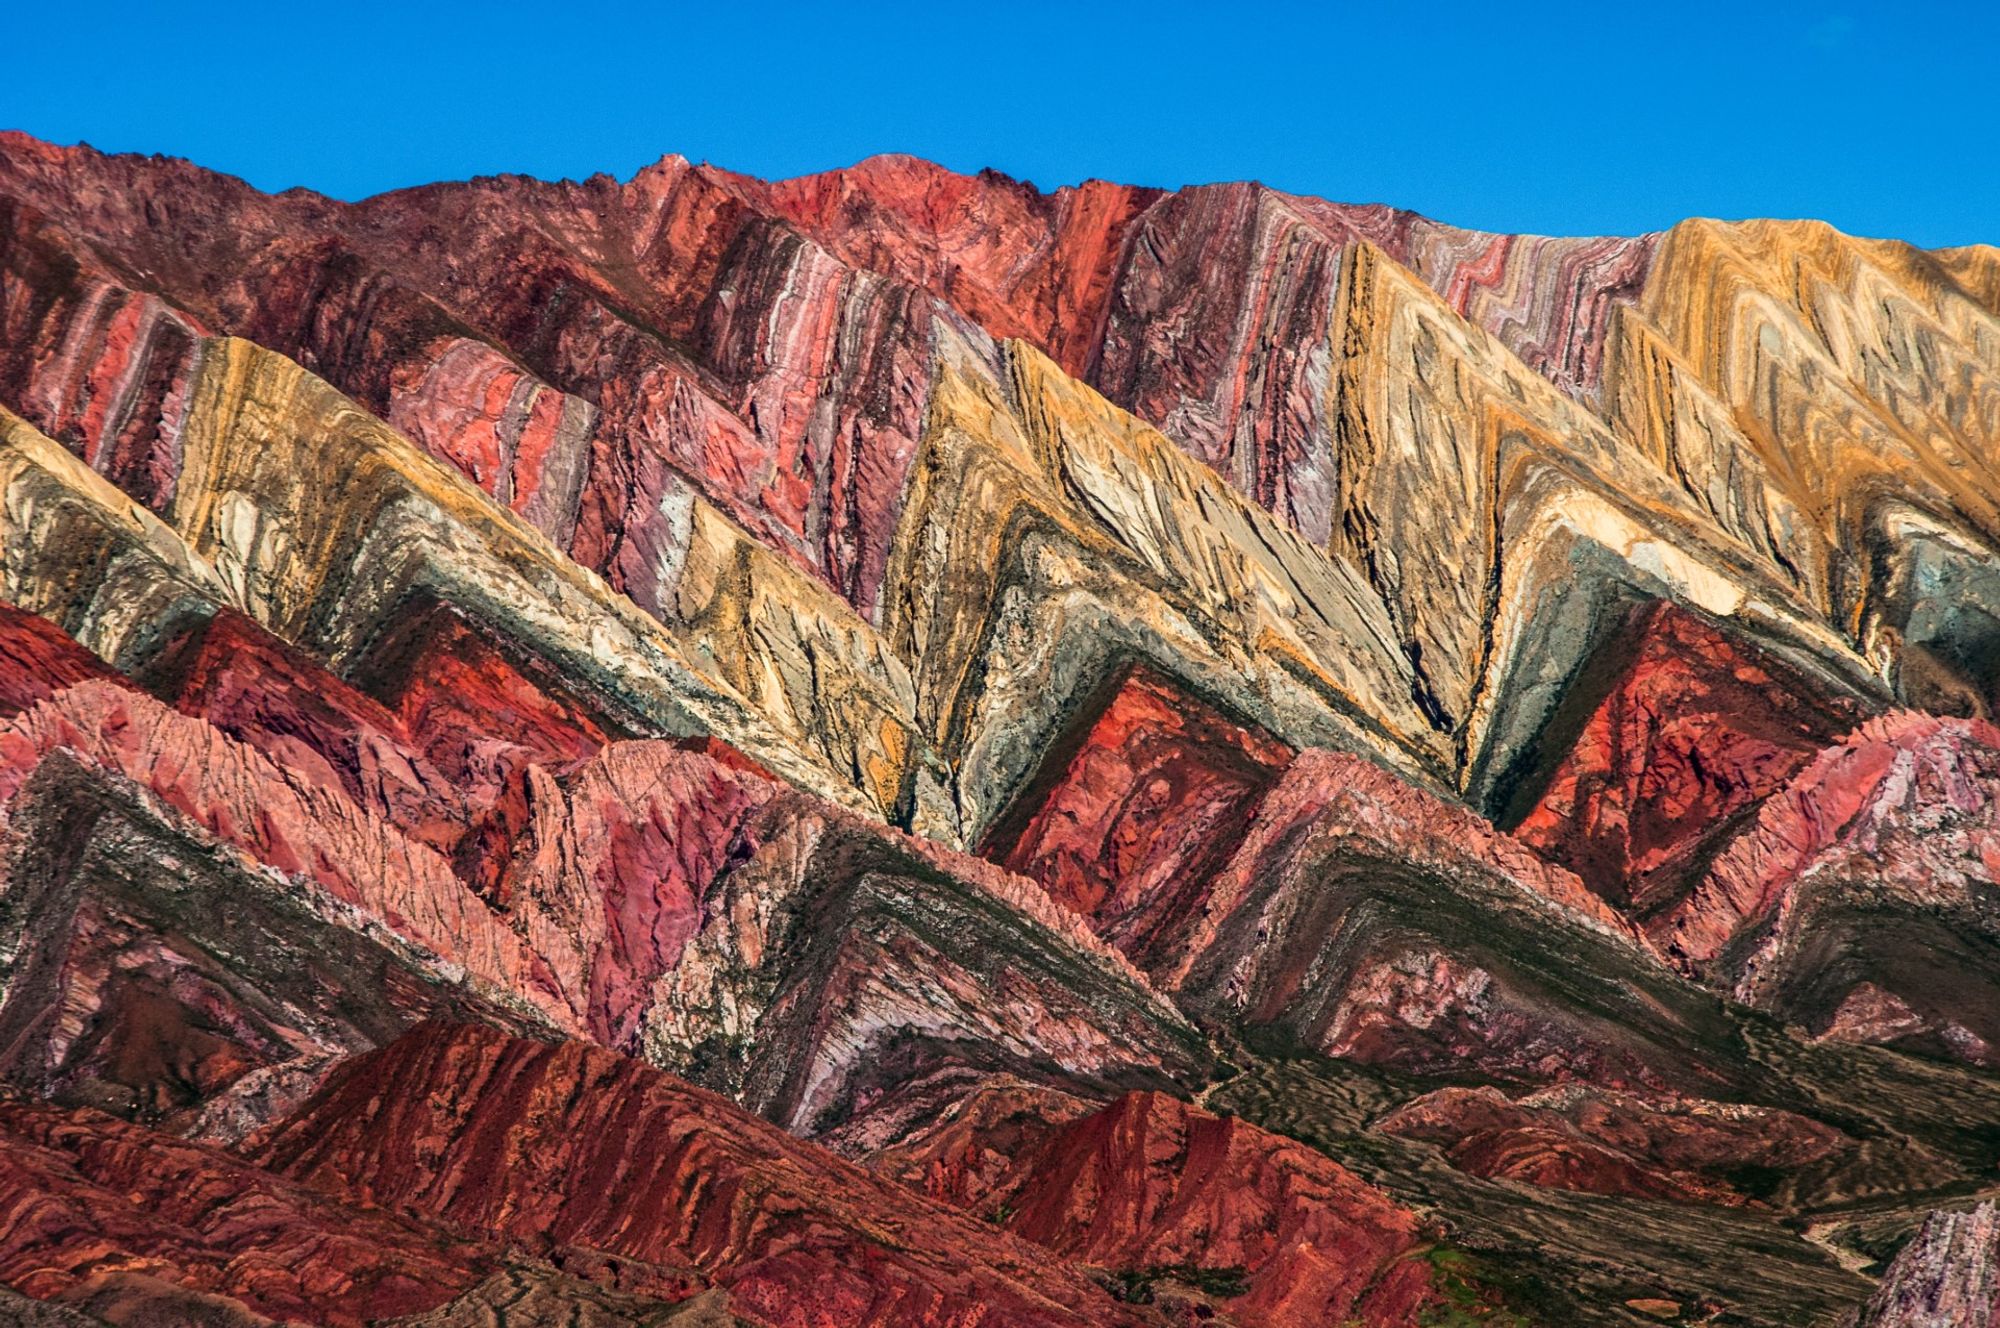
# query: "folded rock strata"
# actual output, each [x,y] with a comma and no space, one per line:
[962,670]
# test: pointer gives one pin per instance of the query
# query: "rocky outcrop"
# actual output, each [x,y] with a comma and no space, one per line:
[85,1195]
[1856,378]
[1858,903]
[158,973]
[609,612]
[37,660]
[834,966]
[1685,735]
[314,835]
[772,352]
[1368,919]
[1135,813]
[257,689]
[654,896]
[1948,1276]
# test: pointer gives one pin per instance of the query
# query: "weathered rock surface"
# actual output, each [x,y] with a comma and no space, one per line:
[1582,1138]
[84,1195]
[1141,811]
[1157,1190]
[1859,903]
[653,896]
[38,659]
[1948,1276]
[777,349]
[523,1140]
[153,973]
[1369,919]
[1688,733]
[608,612]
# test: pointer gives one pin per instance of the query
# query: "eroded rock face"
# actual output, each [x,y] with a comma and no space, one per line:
[38,659]
[1859,902]
[252,686]
[1368,919]
[1139,815]
[1281,1233]
[84,1193]
[651,895]
[607,613]
[1949,1274]
[591,1149]
[153,973]
[1691,733]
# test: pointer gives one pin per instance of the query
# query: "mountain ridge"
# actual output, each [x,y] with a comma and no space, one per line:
[985,680]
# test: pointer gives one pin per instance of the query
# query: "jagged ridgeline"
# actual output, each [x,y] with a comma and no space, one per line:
[896,749]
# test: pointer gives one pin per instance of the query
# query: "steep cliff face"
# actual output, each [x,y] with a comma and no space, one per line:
[965,672]
[1949,1273]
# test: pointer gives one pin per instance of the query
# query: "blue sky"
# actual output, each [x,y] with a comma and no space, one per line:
[1557,118]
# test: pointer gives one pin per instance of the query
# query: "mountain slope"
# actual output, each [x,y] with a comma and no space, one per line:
[1158,757]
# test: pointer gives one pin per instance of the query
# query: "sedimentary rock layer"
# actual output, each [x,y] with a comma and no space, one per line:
[966,674]
[797,1236]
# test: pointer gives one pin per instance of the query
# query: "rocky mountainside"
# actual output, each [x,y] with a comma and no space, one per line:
[897,749]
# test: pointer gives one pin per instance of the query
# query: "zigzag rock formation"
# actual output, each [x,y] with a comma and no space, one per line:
[892,748]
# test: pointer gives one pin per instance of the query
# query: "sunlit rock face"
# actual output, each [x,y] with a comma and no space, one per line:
[899,748]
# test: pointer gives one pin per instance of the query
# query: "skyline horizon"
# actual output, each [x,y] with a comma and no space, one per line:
[1556,119]
[626,177]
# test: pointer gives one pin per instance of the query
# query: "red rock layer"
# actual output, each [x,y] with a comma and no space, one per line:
[1857,903]
[1346,799]
[1582,1138]
[482,720]
[1152,800]
[290,823]
[526,1141]
[1373,920]
[1019,262]
[1151,1183]
[1891,774]
[581,350]
[965,1147]
[622,857]
[478,715]
[653,895]
[38,659]
[98,361]
[261,691]
[1692,731]
[83,1195]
